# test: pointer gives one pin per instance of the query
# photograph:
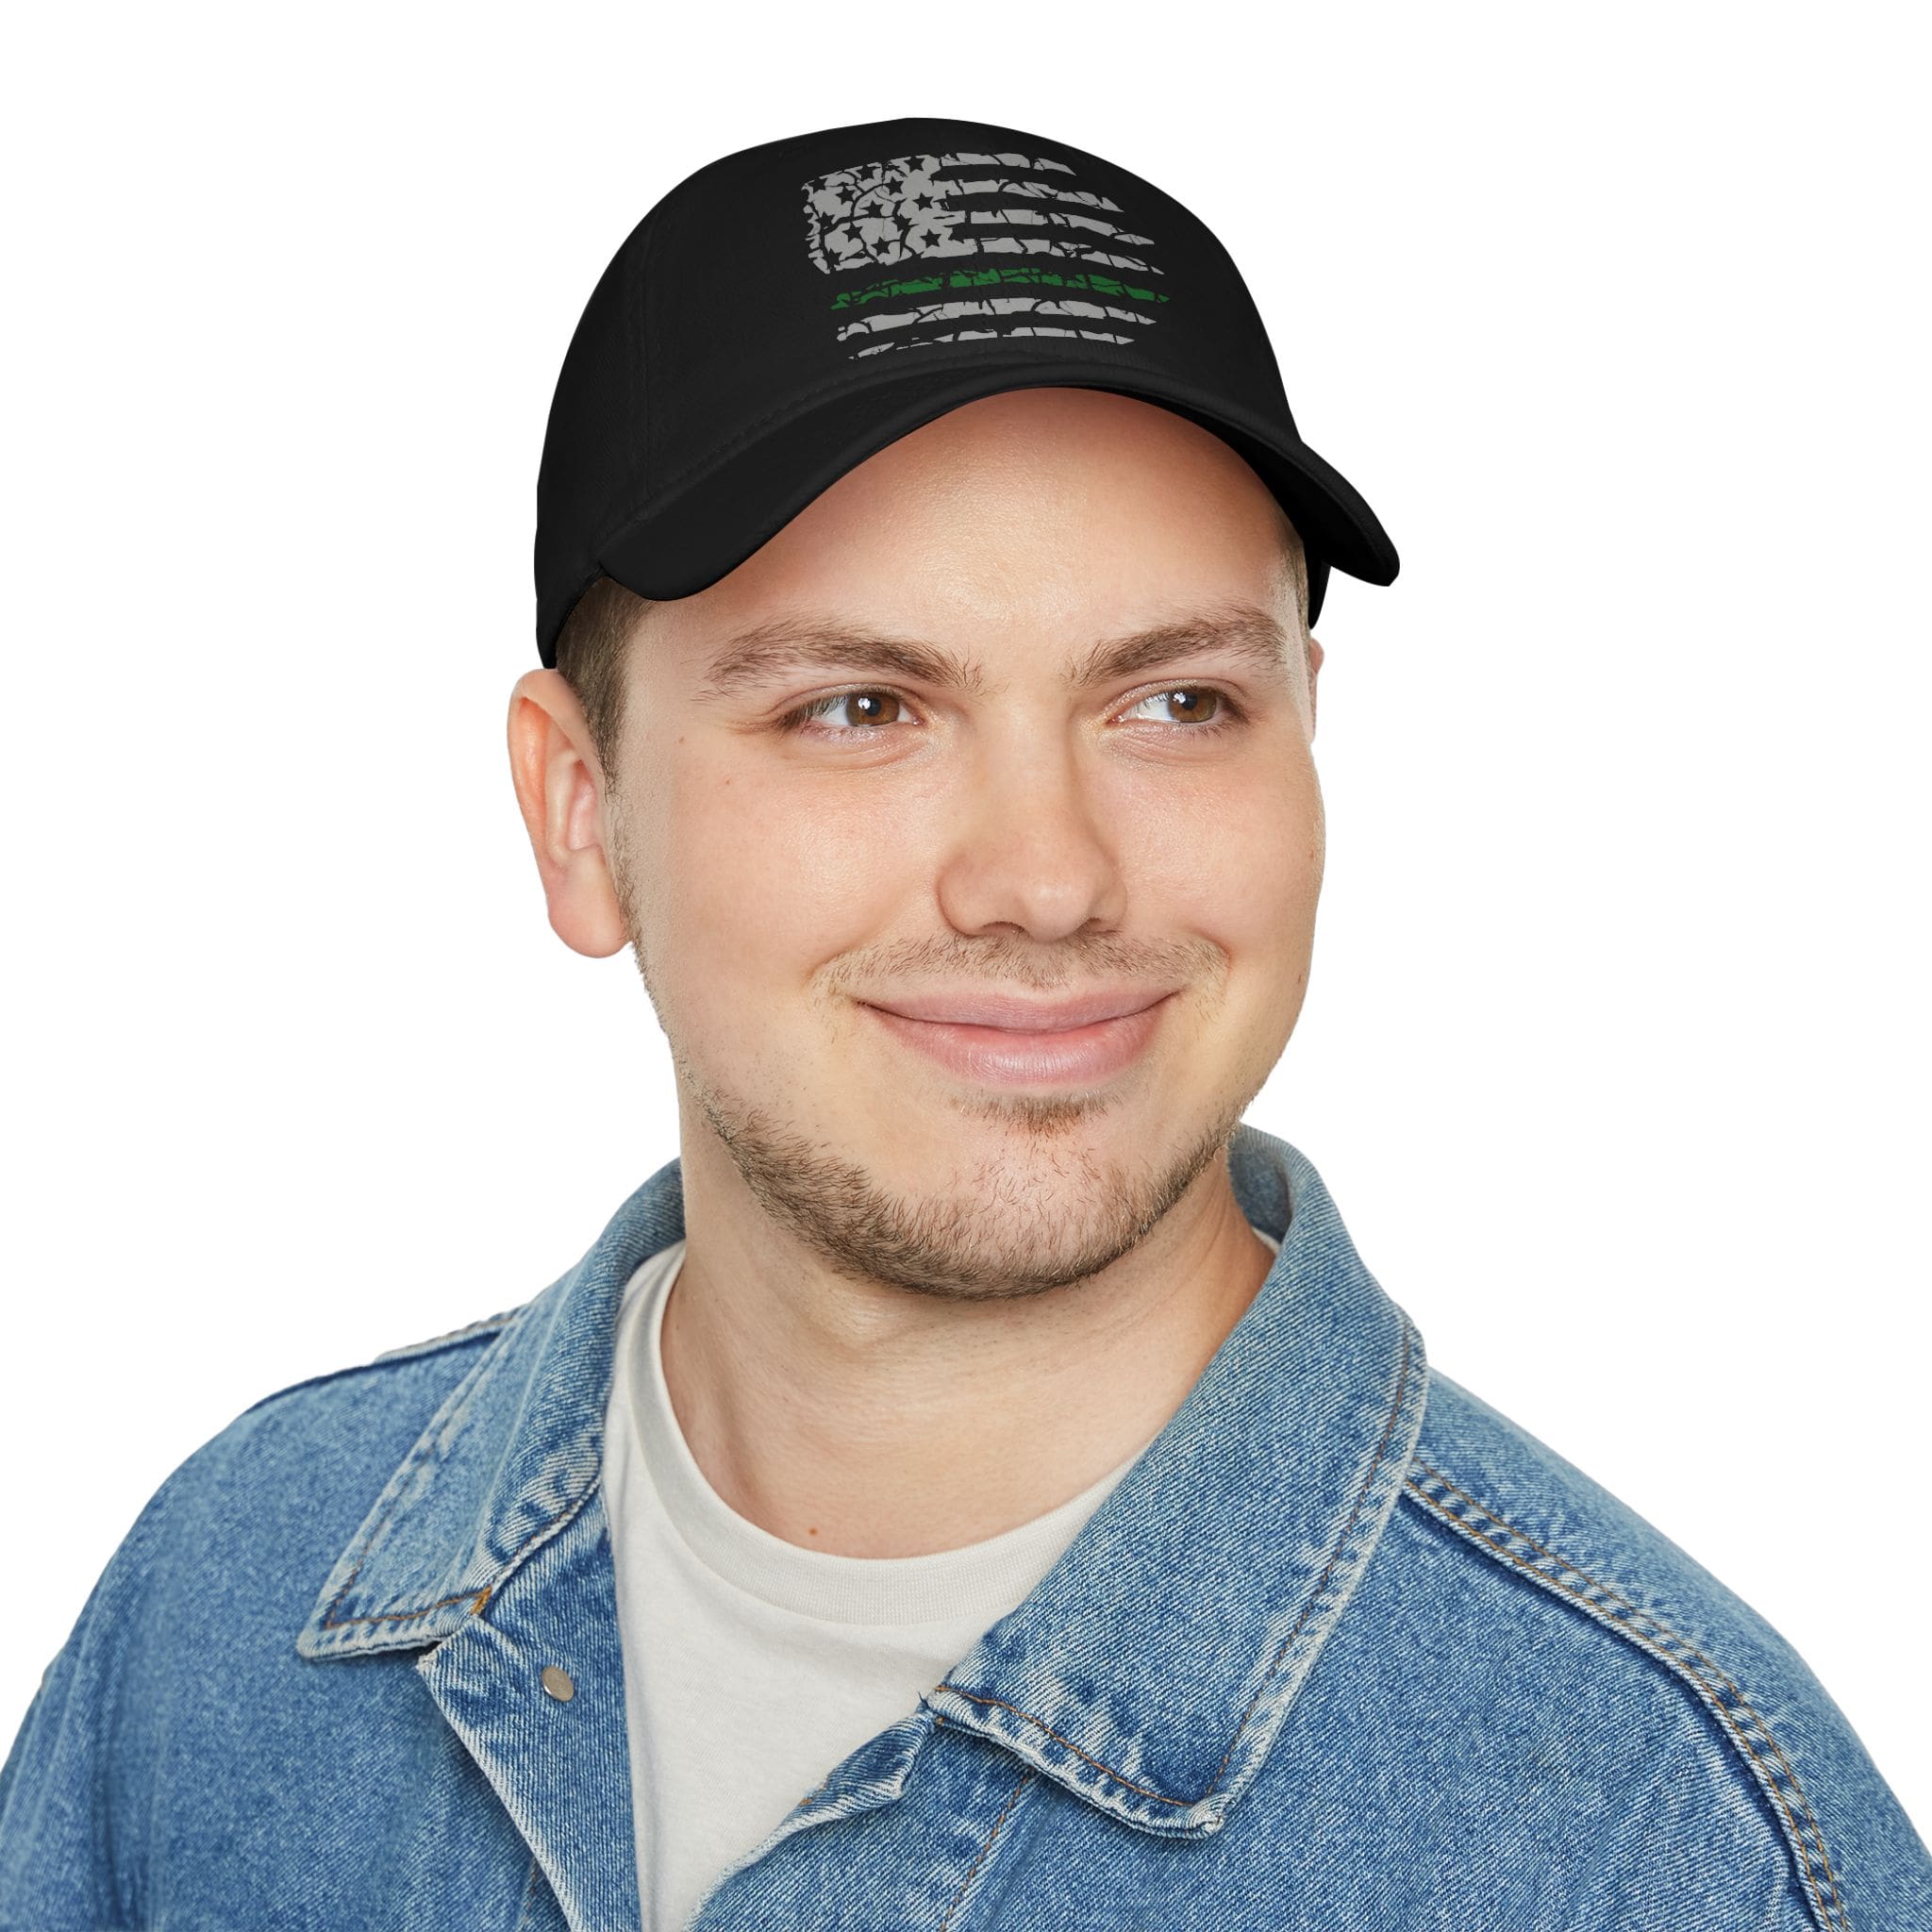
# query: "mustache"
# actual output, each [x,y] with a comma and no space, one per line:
[952,959]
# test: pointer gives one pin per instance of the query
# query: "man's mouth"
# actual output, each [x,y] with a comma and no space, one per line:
[1009,1040]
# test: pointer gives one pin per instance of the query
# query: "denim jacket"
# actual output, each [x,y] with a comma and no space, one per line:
[1345,1649]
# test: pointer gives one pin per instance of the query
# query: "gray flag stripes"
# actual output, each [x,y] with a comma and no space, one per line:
[933,210]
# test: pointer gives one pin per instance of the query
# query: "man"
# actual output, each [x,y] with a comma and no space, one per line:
[977,1484]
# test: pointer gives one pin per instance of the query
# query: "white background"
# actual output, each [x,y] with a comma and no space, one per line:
[1615,1056]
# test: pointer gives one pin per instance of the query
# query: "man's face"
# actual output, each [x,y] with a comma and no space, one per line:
[901,774]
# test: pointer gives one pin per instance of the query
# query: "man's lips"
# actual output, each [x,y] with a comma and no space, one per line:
[1001,1041]
[1013,1013]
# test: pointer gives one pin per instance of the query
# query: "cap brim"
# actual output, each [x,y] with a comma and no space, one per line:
[706,525]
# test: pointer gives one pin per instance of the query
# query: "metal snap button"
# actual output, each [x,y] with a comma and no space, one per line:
[557,1682]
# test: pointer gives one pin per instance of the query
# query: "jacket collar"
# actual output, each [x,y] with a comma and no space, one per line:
[513,1453]
[1150,1668]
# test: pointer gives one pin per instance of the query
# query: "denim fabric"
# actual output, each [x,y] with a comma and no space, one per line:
[1345,1649]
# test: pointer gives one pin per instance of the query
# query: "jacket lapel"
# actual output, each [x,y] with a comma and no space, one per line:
[489,1553]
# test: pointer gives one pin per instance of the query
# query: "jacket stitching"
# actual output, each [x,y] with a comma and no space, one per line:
[483,1594]
[471,1331]
[1335,1556]
[1833,1911]
[479,1596]
[972,1870]
[1282,1650]
[1138,1791]
[482,1371]
[1837,1905]
[414,1352]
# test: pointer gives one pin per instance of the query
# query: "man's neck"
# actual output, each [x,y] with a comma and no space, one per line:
[864,1420]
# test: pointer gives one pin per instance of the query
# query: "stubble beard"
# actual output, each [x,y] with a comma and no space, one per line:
[1033,1218]
[1039,1215]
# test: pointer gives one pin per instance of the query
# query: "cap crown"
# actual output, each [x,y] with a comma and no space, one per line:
[913,262]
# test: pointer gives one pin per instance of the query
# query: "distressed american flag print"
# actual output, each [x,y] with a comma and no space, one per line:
[984,245]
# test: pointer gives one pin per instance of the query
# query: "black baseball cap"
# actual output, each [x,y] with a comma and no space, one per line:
[788,311]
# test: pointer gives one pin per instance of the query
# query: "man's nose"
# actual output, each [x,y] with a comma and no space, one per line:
[1030,849]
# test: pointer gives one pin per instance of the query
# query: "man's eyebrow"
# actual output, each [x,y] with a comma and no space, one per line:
[784,645]
[1243,631]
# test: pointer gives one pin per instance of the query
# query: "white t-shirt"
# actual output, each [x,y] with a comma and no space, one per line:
[721,1623]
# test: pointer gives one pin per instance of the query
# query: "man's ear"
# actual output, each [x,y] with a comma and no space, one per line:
[561,793]
[1314,670]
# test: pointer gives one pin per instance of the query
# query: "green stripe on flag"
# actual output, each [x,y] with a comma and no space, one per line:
[992,278]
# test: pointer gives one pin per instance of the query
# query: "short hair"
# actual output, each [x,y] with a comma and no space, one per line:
[593,656]
[592,649]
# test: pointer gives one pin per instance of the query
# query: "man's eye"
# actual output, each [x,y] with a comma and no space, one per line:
[845,710]
[1184,704]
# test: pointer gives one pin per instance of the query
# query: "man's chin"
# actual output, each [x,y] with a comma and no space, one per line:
[1036,1194]
[1041,1116]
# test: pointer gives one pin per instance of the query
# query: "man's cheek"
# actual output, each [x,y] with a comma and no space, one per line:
[754,925]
